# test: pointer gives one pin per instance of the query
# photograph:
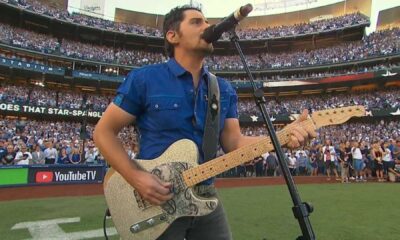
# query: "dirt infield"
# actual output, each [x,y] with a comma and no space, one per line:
[15,193]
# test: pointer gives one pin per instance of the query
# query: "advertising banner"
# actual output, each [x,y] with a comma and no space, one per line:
[48,110]
[61,174]
[97,76]
[13,175]
[31,66]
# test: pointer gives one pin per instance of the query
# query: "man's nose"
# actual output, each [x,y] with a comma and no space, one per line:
[206,25]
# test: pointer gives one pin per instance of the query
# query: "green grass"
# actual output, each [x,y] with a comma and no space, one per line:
[351,211]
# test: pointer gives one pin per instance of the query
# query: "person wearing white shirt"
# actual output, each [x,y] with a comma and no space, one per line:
[387,158]
[292,164]
[90,155]
[329,154]
[23,156]
[357,161]
[50,154]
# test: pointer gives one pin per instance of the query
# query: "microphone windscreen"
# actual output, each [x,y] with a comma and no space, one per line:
[246,9]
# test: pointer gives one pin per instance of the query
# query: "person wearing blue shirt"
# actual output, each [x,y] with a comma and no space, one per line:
[167,102]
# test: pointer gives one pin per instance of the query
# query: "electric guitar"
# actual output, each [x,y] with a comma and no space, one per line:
[135,218]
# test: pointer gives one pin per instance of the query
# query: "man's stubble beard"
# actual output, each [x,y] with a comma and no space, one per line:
[206,51]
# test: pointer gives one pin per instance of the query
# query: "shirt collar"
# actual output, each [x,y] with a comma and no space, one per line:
[178,70]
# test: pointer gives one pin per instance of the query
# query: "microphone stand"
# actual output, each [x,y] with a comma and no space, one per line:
[301,210]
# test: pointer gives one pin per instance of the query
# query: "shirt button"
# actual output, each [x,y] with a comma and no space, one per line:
[156,106]
[176,105]
[191,90]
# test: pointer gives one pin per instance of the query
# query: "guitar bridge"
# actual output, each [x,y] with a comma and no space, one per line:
[148,223]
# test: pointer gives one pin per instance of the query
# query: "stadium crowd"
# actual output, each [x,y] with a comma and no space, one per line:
[382,43]
[45,142]
[38,96]
[54,142]
[329,24]
[290,105]
[43,97]
[351,151]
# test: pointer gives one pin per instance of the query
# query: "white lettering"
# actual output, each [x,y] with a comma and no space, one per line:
[32,109]
[9,107]
[89,175]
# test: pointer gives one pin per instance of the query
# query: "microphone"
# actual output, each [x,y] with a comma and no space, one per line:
[214,32]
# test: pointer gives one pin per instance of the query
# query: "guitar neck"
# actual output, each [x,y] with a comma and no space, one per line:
[235,158]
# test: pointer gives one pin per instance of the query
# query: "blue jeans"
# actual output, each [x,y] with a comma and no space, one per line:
[358,164]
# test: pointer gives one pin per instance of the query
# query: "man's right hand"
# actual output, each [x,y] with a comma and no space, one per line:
[151,188]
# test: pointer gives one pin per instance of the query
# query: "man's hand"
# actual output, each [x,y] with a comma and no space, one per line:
[299,134]
[151,188]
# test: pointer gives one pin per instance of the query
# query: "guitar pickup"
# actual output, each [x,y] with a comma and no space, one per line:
[142,204]
[148,223]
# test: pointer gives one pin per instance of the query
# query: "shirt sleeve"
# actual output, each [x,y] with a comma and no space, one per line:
[233,101]
[130,94]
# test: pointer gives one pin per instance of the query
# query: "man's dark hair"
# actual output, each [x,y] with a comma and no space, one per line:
[172,21]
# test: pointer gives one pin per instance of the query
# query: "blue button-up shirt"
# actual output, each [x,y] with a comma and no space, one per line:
[169,108]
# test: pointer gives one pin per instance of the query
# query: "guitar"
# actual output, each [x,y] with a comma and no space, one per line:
[135,218]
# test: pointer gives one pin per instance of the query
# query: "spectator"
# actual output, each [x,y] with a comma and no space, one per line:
[50,153]
[377,155]
[38,155]
[90,155]
[9,157]
[271,164]
[357,161]
[23,156]
[329,154]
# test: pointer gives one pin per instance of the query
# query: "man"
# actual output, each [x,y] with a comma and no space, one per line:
[50,154]
[9,156]
[167,102]
[329,158]
[302,161]
[3,150]
[23,156]
[272,164]
[396,150]
[394,171]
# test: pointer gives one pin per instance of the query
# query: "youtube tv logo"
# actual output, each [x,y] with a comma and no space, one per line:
[44,177]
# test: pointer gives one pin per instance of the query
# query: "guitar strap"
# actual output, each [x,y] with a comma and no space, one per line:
[211,128]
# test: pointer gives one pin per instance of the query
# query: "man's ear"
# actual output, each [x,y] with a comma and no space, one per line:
[172,37]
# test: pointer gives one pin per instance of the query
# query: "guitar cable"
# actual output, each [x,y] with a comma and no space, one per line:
[106,214]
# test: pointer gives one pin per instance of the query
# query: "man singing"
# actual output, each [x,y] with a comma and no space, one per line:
[168,102]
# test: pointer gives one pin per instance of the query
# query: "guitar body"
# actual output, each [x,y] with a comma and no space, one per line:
[137,219]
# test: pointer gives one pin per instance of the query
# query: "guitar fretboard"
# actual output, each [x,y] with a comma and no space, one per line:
[235,158]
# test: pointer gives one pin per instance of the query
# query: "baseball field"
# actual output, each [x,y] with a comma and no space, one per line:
[356,211]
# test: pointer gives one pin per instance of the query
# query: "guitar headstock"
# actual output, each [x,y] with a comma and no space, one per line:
[336,115]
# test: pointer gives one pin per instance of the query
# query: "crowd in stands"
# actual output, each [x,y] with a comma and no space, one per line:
[318,74]
[25,142]
[351,151]
[289,105]
[38,96]
[282,31]
[57,142]
[43,97]
[380,43]
[330,24]
[27,39]
[386,42]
